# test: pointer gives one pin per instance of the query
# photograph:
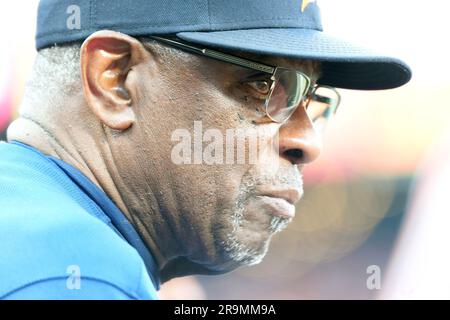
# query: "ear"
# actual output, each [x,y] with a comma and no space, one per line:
[106,60]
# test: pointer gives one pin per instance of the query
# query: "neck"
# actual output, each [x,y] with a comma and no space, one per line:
[92,156]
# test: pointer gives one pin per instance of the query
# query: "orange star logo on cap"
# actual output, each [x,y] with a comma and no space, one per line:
[305,4]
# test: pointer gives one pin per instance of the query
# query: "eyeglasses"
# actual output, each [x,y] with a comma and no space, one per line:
[286,91]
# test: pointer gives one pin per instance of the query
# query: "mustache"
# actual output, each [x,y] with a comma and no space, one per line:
[287,179]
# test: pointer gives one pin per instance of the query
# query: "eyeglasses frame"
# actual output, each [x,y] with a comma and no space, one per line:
[253,65]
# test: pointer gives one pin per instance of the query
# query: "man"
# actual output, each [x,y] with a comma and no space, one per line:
[101,194]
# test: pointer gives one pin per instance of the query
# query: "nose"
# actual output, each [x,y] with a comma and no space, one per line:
[298,142]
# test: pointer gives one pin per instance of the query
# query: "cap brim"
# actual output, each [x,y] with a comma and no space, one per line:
[344,65]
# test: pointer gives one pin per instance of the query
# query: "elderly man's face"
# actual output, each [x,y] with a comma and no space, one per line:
[221,214]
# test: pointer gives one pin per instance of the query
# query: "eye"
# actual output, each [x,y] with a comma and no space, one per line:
[260,86]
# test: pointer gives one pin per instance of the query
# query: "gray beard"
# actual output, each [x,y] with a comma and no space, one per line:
[241,252]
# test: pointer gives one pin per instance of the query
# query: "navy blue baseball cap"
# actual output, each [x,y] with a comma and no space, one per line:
[286,28]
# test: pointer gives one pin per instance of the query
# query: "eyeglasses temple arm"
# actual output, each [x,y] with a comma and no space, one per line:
[218,55]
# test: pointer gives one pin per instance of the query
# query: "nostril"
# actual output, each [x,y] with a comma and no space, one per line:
[294,155]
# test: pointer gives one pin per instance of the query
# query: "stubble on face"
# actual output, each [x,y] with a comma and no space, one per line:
[250,228]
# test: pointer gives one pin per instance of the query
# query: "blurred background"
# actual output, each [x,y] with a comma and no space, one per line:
[360,194]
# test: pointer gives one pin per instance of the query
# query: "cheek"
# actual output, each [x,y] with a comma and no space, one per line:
[206,196]
[171,106]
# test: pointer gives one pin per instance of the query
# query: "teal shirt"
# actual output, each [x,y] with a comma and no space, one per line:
[61,237]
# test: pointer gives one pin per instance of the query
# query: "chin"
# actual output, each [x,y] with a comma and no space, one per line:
[233,260]
[245,256]
[247,242]
[244,231]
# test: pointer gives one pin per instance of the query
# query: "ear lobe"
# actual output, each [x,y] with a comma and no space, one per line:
[106,60]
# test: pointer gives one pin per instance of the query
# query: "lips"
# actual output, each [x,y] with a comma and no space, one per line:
[290,195]
[281,202]
[278,206]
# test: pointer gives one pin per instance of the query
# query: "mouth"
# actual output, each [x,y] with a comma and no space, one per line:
[281,202]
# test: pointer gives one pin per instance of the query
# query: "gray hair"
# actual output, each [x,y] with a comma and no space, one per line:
[56,75]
